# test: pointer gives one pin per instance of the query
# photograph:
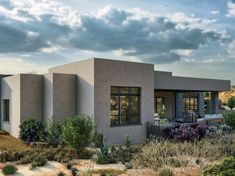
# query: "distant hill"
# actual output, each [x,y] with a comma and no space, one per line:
[224,96]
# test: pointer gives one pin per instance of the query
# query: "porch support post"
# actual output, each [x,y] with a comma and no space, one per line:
[179,106]
[214,102]
[201,105]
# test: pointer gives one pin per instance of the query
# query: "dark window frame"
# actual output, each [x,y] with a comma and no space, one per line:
[195,104]
[6,110]
[129,94]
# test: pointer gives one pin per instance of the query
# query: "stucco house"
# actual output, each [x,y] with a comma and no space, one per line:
[121,96]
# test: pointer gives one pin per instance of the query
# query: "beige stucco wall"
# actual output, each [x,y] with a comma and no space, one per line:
[11,90]
[31,100]
[25,94]
[115,73]
[60,96]
[169,102]
[85,83]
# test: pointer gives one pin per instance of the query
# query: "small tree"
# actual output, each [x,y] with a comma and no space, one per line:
[54,132]
[231,102]
[78,131]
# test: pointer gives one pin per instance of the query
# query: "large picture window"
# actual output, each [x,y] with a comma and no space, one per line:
[6,110]
[125,105]
[191,104]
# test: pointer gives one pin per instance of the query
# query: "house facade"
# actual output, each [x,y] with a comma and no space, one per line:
[120,96]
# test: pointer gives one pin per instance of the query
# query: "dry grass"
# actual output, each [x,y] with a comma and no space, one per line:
[9,143]
[175,154]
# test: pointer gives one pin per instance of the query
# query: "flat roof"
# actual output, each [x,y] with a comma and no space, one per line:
[166,81]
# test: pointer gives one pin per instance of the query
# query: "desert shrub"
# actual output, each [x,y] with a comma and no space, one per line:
[188,132]
[61,174]
[69,165]
[98,139]
[32,131]
[229,119]
[54,133]
[166,172]
[40,161]
[155,154]
[218,130]
[10,156]
[231,102]
[103,160]
[127,141]
[9,169]
[86,154]
[78,131]
[74,171]
[226,168]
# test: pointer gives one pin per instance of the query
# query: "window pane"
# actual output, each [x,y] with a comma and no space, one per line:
[135,102]
[135,90]
[124,90]
[6,110]
[134,118]
[114,105]
[124,119]
[124,103]
[114,90]
[114,120]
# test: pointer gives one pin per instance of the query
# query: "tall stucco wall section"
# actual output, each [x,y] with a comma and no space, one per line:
[115,73]
[64,96]
[31,86]
[11,90]
[85,83]
[47,97]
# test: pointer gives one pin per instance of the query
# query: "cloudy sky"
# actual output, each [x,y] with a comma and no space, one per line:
[190,38]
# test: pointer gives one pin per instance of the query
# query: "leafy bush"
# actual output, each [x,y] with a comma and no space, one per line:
[188,132]
[54,133]
[103,160]
[218,130]
[78,131]
[226,168]
[229,119]
[98,139]
[32,131]
[9,169]
[231,102]
[127,141]
[86,154]
[166,172]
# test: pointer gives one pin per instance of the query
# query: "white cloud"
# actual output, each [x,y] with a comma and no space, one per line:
[134,32]
[231,9]
[215,12]
[14,66]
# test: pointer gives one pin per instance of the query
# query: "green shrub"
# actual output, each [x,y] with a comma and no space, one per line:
[98,139]
[9,169]
[226,168]
[231,102]
[229,119]
[103,160]
[40,161]
[86,154]
[32,131]
[166,172]
[54,131]
[78,131]
[127,141]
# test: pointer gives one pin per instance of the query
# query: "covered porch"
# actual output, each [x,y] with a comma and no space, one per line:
[188,99]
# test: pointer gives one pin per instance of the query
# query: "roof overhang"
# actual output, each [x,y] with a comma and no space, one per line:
[166,81]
